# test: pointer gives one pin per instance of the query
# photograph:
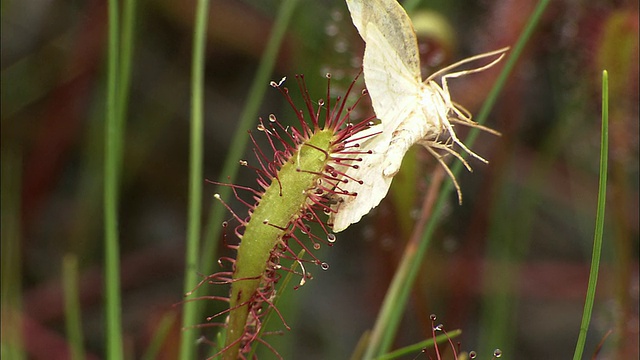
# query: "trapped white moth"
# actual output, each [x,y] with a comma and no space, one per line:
[411,111]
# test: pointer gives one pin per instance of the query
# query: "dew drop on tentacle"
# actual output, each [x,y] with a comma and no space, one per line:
[331,238]
[316,246]
[433,317]
[272,117]
[331,30]
[324,266]
[341,46]
[472,354]
[438,327]
[336,15]
[497,353]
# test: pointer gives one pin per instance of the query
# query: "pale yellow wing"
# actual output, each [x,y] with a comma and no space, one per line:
[391,61]
[369,193]
[392,75]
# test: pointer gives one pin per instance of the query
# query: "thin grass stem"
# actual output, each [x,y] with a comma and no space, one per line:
[125,56]
[160,334]
[189,316]
[113,145]
[11,342]
[599,228]
[407,350]
[72,307]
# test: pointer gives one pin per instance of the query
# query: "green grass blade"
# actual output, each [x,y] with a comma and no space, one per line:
[11,342]
[412,349]
[72,306]
[396,299]
[113,147]
[162,330]
[599,230]
[189,316]
[125,56]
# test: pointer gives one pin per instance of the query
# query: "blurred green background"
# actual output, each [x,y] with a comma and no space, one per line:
[509,266]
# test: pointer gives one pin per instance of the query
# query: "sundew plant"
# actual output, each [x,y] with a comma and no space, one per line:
[300,181]
[173,186]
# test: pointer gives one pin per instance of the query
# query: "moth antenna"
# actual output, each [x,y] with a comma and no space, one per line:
[468,60]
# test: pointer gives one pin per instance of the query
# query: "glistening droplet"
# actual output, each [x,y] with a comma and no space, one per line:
[340,46]
[324,266]
[497,353]
[331,238]
[472,354]
[331,30]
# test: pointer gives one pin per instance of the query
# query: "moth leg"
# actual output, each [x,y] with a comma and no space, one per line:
[462,112]
[444,116]
[447,148]
[475,125]
[446,169]
[466,118]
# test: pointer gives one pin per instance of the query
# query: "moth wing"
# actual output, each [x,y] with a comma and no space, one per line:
[391,21]
[391,67]
[369,194]
[391,61]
